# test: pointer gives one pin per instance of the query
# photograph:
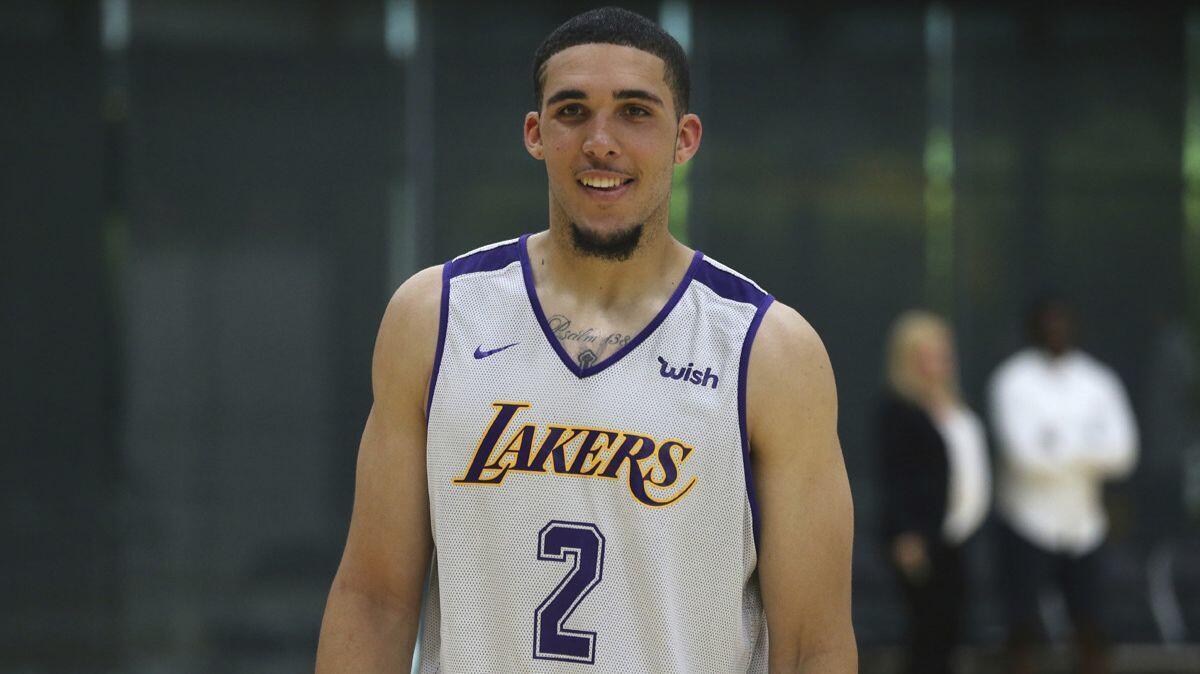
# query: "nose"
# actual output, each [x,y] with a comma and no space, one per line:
[599,142]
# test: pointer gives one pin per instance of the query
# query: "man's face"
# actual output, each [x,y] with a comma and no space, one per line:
[608,134]
[1055,330]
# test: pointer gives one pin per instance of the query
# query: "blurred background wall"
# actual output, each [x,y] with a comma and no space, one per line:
[205,204]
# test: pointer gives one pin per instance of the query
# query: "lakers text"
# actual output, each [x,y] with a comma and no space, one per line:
[652,468]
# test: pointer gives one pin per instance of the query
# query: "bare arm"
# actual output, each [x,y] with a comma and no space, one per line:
[372,612]
[806,513]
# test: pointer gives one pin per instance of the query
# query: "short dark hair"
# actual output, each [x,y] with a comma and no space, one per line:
[613,25]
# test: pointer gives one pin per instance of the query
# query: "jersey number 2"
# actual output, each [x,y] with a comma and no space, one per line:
[584,545]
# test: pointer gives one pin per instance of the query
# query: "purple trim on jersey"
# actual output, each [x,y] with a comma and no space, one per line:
[729,285]
[443,316]
[734,287]
[485,260]
[743,374]
[578,371]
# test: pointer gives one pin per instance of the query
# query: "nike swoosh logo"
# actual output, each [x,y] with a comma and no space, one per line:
[480,353]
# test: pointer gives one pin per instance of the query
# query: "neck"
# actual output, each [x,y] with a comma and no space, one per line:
[940,401]
[655,265]
[1053,354]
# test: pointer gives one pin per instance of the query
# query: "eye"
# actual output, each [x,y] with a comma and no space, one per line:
[570,110]
[637,111]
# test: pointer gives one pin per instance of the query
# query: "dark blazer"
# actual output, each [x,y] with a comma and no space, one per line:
[915,470]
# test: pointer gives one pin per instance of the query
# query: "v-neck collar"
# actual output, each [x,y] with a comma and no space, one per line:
[576,369]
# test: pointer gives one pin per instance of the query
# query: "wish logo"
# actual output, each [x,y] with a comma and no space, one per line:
[688,373]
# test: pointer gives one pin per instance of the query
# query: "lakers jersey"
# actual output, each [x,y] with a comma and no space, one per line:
[591,520]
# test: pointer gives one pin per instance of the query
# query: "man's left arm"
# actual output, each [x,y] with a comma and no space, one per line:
[1109,442]
[805,511]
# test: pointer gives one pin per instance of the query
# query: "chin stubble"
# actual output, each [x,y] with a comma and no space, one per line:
[616,247]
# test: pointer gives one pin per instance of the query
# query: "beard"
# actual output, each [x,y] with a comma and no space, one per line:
[615,247]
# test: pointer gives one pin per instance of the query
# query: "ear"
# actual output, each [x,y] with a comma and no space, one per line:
[687,140]
[533,136]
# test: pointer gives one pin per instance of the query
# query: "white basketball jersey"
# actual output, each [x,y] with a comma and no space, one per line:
[591,520]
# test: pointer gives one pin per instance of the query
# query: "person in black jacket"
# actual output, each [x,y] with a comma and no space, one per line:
[935,484]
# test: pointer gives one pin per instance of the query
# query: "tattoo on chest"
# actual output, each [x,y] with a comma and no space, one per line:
[587,358]
[587,344]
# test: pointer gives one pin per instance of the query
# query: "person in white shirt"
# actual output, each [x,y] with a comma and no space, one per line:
[935,485]
[1063,426]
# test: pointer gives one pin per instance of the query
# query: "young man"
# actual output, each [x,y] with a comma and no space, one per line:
[575,427]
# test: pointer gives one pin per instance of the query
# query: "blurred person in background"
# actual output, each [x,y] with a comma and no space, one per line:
[1064,426]
[936,484]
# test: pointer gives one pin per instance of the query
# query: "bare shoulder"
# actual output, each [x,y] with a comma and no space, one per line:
[417,301]
[407,339]
[786,338]
[790,376]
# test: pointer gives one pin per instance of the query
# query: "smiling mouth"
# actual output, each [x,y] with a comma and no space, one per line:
[605,184]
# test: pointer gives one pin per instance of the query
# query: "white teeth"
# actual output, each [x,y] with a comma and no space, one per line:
[602,183]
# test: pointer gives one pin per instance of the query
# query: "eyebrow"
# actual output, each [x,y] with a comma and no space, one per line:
[622,94]
[565,95]
[640,94]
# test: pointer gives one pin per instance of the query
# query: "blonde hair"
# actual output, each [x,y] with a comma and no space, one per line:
[910,331]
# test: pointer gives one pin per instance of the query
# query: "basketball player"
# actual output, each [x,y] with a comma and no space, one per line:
[618,454]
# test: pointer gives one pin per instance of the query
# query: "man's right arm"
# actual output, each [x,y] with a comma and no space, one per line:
[372,612]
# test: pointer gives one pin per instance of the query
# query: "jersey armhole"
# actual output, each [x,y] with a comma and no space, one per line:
[443,316]
[743,377]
